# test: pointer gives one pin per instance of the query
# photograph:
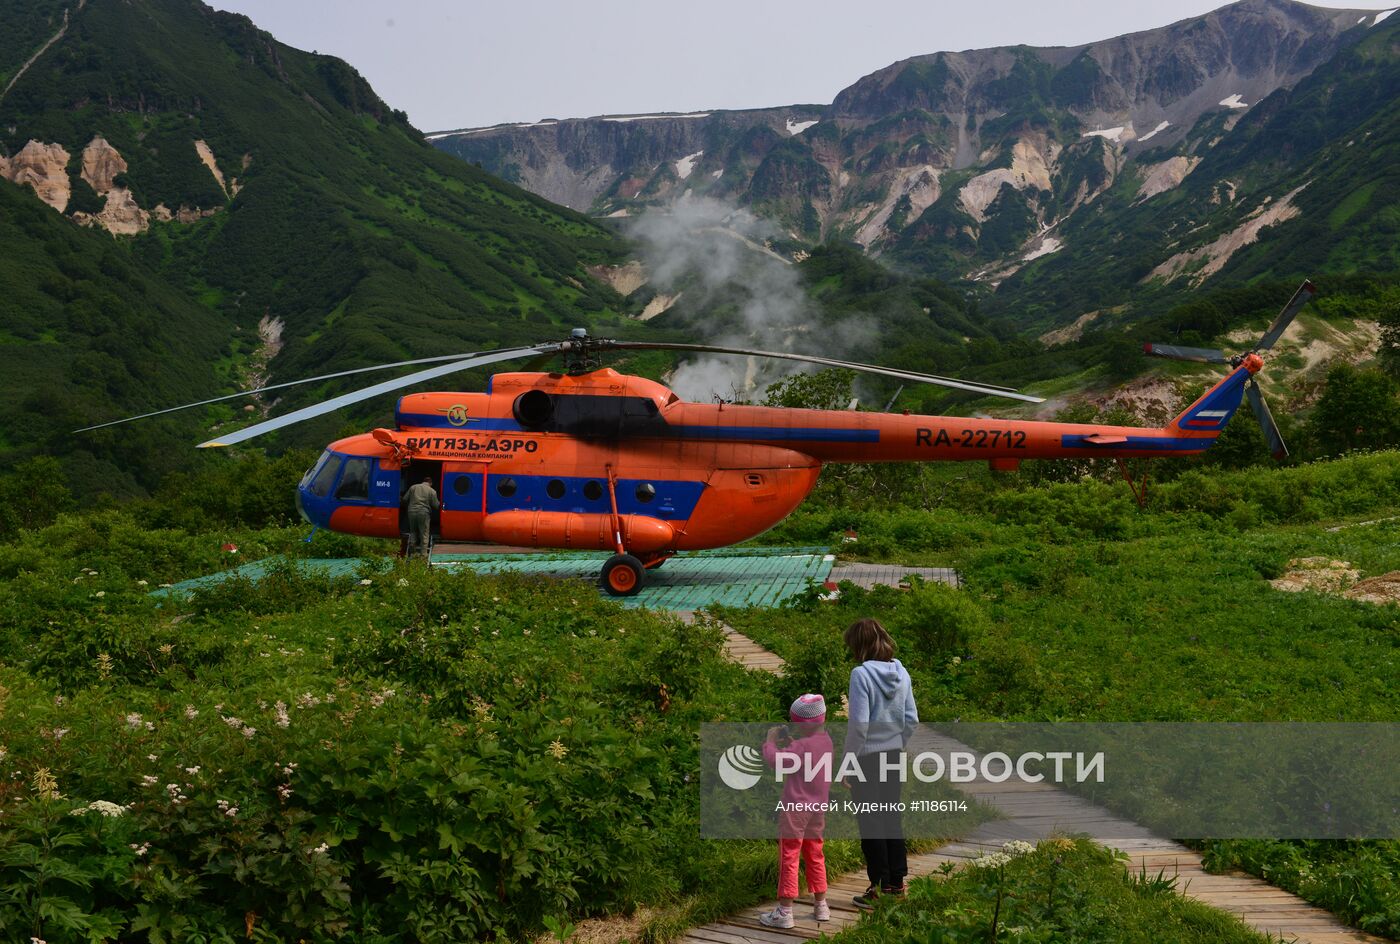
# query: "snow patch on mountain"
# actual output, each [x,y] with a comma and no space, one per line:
[697,114]
[1113,134]
[1234,102]
[1155,131]
[797,127]
[687,164]
[1380,16]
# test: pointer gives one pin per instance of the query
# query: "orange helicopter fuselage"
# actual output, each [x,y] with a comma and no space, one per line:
[607,461]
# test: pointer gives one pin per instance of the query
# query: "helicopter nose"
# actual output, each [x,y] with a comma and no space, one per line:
[301,508]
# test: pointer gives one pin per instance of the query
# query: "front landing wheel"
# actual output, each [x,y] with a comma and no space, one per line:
[623,575]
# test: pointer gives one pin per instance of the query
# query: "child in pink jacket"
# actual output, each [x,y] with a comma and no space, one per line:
[803,817]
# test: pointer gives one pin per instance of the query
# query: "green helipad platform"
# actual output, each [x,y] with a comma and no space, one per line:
[763,576]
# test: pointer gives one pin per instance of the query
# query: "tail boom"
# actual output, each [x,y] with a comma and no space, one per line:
[849,436]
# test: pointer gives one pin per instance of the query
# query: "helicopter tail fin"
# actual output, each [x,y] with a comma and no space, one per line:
[1207,418]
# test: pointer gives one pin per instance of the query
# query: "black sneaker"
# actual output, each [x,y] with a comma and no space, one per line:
[892,891]
[866,899]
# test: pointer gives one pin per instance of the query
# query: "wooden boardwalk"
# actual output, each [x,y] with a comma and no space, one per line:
[890,575]
[1033,812]
[743,650]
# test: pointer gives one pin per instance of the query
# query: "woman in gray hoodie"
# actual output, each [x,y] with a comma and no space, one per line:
[881,712]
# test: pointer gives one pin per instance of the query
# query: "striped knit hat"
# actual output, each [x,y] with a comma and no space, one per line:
[808,708]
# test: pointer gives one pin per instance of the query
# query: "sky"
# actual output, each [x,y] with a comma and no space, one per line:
[464,63]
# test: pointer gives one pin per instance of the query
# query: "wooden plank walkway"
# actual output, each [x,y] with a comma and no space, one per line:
[890,575]
[1034,812]
[743,650]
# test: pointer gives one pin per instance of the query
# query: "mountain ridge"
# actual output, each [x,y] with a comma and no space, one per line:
[962,165]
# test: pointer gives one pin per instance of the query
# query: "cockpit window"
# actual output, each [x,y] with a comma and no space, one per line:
[355,482]
[315,467]
[325,477]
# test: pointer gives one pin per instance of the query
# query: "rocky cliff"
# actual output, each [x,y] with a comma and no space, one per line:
[963,164]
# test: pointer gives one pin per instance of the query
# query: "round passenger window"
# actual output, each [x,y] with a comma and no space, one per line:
[592,491]
[646,492]
[462,484]
[505,487]
[555,489]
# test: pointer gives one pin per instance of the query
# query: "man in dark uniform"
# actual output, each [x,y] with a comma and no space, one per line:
[422,502]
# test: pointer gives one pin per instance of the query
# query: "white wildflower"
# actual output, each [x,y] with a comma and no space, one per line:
[105,807]
[191,712]
[249,732]
[991,860]
[143,583]
[152,757]
[322,849]
[402,582]
[192,770]
[285,791]
[283,721]
[100,594]
[147,780]
[141,849]
[230,720]
[366,582]
[133,721]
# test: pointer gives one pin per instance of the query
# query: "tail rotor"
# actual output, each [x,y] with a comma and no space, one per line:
[1200,355]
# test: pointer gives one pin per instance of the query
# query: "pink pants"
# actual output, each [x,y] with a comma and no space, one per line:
[810,851]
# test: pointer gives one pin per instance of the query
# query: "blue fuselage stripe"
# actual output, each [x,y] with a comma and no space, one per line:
[673,501]
[1145,443]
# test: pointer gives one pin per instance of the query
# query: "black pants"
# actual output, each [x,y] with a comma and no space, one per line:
[881,831]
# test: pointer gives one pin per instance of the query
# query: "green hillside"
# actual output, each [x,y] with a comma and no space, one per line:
[83,325]
[334,218]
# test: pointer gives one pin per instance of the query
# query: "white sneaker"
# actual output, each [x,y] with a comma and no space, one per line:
[821,910]
[776,918]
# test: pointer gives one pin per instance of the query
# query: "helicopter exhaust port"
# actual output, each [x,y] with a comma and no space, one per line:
[533,409]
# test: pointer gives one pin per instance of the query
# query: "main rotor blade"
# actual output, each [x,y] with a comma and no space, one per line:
[1266,421]
[1200,355]
[290,383]
[1305,293]
[987,389]
[398,383]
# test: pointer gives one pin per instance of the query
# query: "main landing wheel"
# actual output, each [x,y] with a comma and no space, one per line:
[623,575]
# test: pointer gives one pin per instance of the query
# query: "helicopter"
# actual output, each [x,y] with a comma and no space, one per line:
[586,458]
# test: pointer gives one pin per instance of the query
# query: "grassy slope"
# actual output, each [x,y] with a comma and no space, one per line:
[1079,607]
[83,325]
[370,244]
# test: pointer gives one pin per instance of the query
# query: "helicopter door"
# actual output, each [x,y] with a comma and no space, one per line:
[413,471]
